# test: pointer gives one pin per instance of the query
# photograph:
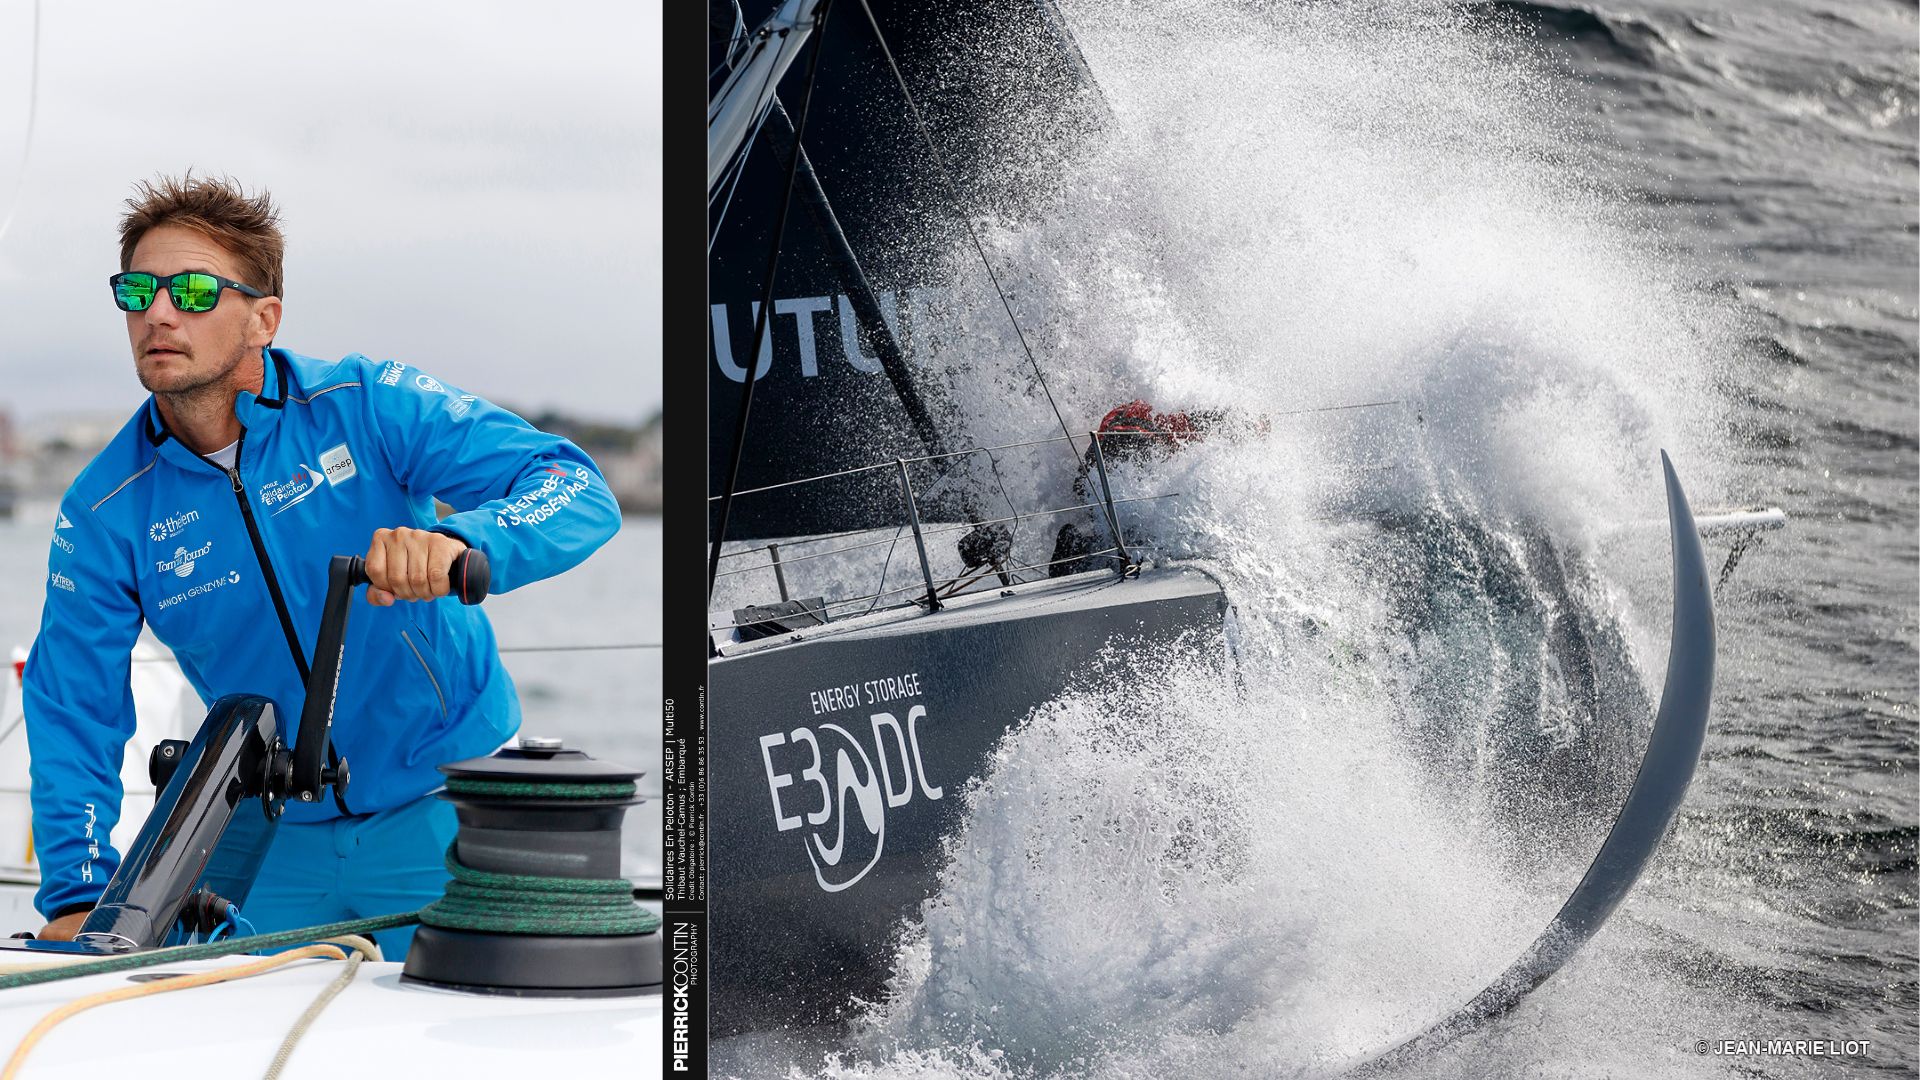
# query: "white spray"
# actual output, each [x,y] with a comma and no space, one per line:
[1177,868]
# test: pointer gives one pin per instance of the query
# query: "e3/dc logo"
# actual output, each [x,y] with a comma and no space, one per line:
[834,853]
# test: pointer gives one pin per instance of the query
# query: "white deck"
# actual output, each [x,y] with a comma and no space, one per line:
[378,1027]
[375,1029]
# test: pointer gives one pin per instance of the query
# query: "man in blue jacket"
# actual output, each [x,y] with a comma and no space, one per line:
[211,517]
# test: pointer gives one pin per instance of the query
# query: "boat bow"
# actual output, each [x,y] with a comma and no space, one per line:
[1673,751]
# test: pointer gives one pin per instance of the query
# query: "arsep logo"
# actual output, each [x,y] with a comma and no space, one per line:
[884,779]
[428,383]
[337,464]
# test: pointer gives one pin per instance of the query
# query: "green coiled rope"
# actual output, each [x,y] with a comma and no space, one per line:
[530,789]
[530,904]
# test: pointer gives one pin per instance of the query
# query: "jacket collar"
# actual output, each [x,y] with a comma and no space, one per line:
[256,412]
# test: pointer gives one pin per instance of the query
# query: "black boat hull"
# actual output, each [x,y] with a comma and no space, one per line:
[839,758]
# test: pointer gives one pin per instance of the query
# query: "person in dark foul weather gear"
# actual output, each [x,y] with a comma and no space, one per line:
[1132,432]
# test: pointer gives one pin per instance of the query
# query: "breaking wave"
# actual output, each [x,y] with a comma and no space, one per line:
[1446,605]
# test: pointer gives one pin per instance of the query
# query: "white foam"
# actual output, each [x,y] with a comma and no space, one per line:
[1168,872]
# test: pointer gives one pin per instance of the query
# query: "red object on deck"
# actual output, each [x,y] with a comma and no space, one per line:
[1137,416]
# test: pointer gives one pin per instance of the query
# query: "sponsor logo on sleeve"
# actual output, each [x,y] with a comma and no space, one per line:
[460,405]
[171,526]
[428,383]
[390,375]
[59,541]
[554,494]
[93,845]
[61,581]
[64,523]
[337,464]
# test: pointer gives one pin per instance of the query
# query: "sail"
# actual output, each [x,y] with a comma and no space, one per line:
[868,240]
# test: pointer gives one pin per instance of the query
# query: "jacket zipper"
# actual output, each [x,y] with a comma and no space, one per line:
[273,589]
[260,555]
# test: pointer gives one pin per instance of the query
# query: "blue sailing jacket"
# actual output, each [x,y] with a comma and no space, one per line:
[230,571]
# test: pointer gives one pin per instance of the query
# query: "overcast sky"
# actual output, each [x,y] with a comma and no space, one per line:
[471,188]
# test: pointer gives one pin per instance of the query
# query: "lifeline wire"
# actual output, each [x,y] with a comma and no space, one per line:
[953,193]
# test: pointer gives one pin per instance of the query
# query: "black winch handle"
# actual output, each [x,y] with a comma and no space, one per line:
[469,576]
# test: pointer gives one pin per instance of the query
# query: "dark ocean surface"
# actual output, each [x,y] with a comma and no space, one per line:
[1553,240]
[1774,144]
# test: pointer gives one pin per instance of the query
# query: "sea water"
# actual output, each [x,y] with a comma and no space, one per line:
[1551,242]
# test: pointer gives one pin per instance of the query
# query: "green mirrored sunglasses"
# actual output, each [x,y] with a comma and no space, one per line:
[192,291]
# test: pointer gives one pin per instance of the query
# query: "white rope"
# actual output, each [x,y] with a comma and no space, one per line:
[362,950]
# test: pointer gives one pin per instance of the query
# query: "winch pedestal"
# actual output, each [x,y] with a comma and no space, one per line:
[534,819]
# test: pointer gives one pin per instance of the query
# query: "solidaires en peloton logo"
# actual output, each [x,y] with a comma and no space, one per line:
[283,494]
[821,776]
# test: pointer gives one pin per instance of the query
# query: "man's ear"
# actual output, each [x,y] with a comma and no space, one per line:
[265,322]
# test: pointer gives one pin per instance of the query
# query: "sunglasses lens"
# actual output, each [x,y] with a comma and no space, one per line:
[133,292]
[195,292]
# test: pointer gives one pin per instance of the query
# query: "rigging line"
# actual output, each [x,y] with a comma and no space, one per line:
[739,167]
[763,319]
[1001,482]
[953,193]
[811,479]
[736,42]
[604,647]
[33,112]
[733,184]
[578,648]
[1323,408]
[883,570]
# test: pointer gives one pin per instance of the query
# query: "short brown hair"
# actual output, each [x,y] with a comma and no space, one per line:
[217,208]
